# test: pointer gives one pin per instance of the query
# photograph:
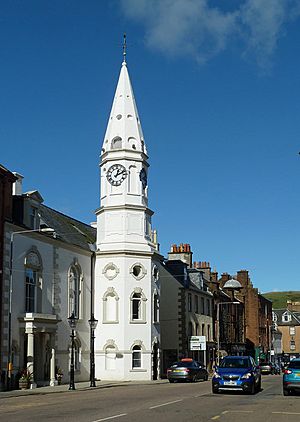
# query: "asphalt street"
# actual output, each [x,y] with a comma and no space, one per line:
[158,401]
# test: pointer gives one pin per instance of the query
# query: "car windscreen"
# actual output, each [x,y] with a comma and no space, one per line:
[235,363]
[294,364]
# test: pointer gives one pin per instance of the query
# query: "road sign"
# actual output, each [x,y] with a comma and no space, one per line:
[197,343]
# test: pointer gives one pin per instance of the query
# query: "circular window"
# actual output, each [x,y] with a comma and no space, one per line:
[110,271]
[119,116]
[138,271]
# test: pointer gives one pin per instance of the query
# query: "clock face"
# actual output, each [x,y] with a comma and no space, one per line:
[143,178]
[116,174]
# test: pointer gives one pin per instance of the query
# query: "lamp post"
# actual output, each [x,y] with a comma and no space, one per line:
[72,323]
[10,291]
[218,326]
[93,324]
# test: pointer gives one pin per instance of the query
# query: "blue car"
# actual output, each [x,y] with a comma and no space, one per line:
[291,377]
[237,373]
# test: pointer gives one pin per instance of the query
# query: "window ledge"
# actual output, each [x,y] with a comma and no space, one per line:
[138,370]
[137,321]
[110,322]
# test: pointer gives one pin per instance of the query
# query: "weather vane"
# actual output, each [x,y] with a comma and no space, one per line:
[124,48]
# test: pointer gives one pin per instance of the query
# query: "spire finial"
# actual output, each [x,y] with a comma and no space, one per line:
[124,49]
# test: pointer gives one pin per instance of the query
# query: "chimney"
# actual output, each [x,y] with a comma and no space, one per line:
[181,252]
[17,186]
[214,276]
[224,277]
[243,278]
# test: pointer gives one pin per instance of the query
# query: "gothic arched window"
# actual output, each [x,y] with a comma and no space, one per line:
[33,291]
[136,357]
[138,306]
[74,290]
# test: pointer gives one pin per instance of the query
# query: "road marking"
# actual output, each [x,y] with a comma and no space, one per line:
[215,417]
[286,413]
[111,417]
[238,411]
[164,404]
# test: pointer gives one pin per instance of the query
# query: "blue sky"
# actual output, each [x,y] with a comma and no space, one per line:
[218,95]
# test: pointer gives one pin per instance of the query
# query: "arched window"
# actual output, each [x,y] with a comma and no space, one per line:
[138,306]
[136,357]
[74,290]
[33,285]
[155,307]
[110,306]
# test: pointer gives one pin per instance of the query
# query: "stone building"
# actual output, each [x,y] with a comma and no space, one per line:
[257,314]
[287,322]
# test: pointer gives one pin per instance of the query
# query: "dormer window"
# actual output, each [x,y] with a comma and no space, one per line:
[286,317]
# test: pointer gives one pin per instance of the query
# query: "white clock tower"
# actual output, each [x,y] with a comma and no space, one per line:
[127,262]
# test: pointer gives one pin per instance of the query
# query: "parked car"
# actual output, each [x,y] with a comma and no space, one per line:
[291,377]
[237,373]
[187,369]
[267,368]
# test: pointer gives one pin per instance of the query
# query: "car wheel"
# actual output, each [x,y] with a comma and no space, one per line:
[215,390]
[194,379]
[252,391]
[171,381]
[206,378]
[286,392]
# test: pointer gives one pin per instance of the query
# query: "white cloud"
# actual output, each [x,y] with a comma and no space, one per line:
[196,28]
[263,24]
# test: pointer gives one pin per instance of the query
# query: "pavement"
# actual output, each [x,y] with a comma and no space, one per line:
[79,386]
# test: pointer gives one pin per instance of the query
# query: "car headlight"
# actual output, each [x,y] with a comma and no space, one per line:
[246,376]
[216,375]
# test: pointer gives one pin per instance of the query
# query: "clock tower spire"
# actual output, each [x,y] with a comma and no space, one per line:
[124,219]
[126,270]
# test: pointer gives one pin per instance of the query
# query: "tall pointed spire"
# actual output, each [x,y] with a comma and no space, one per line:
[124,129]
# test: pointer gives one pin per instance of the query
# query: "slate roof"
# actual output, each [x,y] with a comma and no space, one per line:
[295,317]
[67,228]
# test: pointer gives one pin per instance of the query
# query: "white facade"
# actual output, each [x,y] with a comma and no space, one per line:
[127,263]
[42,300]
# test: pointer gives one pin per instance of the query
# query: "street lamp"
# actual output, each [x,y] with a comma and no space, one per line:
[218,326]
[10,291]
[93,324]
[72,323]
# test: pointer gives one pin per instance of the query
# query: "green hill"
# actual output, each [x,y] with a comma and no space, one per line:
[279,299]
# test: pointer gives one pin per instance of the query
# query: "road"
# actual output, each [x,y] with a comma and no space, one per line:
[155,402]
